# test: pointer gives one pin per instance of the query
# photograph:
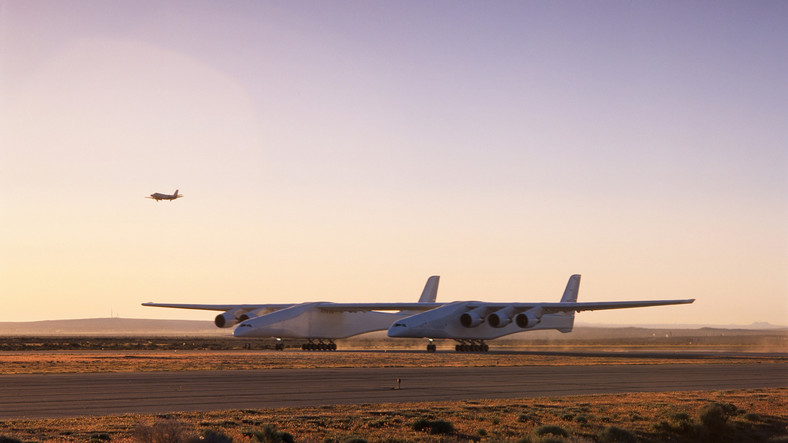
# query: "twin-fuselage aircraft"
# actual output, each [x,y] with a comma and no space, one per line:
[470,323]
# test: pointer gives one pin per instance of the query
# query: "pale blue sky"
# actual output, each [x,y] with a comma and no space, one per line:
[346,151]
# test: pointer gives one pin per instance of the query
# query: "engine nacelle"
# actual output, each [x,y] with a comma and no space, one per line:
[473,318]
[247,315]
[501,318]
[226,320]
[529,318]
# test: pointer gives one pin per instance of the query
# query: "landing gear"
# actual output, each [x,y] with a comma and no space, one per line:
[319,346]
[471,346]
[431,346]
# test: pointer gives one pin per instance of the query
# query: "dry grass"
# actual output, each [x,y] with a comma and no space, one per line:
[28,362]
[754,415]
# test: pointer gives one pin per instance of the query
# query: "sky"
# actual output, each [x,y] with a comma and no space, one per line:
[347,150]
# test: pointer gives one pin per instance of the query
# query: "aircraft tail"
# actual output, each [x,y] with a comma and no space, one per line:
[430,292]
[570,296]
[176,193]
[572,288]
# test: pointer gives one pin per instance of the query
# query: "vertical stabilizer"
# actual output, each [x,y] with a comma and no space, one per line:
[430,292]
[570,296]
[176,194]
[572,288]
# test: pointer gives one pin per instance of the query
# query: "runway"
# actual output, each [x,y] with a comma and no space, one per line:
[70,395]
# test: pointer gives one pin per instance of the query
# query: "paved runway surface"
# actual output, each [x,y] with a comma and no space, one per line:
[68,395]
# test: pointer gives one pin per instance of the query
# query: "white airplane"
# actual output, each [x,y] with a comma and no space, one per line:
[320,323]
[472,322]
[467,322]
[159,196]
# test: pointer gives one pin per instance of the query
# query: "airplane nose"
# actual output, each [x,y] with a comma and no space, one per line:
[243,330]
[397,330]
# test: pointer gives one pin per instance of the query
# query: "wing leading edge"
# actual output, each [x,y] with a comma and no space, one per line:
[217,307]
[580,306]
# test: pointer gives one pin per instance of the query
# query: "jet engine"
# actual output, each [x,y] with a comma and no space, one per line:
[528,319]
[226,320]
[473,318]
[247,315]
[501,318]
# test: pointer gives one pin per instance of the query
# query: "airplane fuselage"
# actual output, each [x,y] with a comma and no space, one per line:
[445,322]
[159,196]
[306,320]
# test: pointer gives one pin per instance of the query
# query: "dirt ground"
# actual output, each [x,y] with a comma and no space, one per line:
[173,360]
[743,415]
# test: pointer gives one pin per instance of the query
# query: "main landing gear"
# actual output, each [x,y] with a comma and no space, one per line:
[319,346]
[471,346]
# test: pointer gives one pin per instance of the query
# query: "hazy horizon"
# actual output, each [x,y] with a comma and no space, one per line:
[208,320]
[345,151]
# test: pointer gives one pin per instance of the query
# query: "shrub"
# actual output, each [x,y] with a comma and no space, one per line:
[713,417]
[662,426]
[441,427]
[544,430]
[434,427]
[751,416]
[100,437]
[524,418]
[4,439]
[613,434]
[421,424]
[167,431]
[680,416]
[269,434]
[354,440]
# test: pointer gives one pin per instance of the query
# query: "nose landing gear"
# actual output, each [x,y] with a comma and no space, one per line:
[431,346]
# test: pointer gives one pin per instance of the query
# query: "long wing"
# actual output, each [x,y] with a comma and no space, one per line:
[355,307]
[218,307]
[579,307]
[325,306]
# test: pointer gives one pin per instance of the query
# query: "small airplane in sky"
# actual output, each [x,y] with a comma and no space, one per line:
[159,196]
[467,322]
[471,322]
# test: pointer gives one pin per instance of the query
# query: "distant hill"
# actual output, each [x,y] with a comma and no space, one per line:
[113,326]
